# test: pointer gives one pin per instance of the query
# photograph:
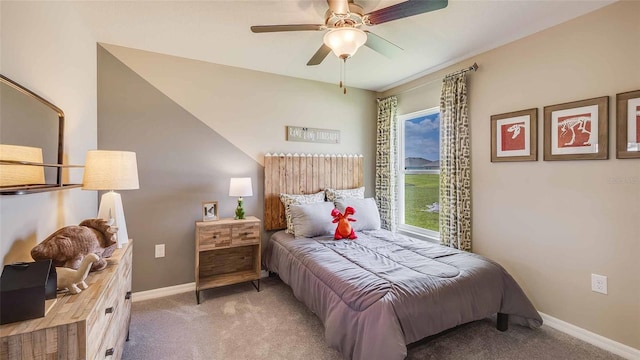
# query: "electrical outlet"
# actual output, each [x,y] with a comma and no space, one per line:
[599,283]
[159,250]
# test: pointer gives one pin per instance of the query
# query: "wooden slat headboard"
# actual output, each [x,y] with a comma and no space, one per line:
[305,174]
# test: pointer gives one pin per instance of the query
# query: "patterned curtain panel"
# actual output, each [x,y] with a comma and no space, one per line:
[386,162]
[455,164]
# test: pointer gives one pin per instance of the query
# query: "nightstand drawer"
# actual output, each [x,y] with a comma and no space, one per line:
[213,236]
[245,233]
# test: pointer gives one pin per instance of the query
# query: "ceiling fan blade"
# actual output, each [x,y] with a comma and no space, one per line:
[277,28]
[338,6]
[404,9]
[381,45]
[322,53]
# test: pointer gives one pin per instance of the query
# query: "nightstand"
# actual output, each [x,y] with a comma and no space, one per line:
[227,252]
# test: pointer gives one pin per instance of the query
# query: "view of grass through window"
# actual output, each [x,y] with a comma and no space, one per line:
[422,170]
[421,194]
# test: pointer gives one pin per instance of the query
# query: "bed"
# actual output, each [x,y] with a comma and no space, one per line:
[382,291]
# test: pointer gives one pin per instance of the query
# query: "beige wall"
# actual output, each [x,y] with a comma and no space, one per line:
[553,224]
[47,48]
[251,109]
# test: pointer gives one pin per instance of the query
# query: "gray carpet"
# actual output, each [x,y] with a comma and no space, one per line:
[236,322]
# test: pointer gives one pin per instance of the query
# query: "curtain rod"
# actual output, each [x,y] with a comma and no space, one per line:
[473,67]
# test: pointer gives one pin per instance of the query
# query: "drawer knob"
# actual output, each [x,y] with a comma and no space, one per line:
[128,295]
[109,352]
[246,234]
[108,310]
[215,236]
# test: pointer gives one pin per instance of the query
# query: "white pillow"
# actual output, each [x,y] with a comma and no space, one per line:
[310,220]
[367,215]
[290,199]
[333,194]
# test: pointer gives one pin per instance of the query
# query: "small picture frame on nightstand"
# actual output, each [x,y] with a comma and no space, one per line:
[210,211]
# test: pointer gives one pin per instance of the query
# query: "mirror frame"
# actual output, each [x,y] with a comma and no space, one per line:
[59,185]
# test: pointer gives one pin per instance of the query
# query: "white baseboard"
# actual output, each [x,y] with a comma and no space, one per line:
[172,290]
[162,292]
[602,342]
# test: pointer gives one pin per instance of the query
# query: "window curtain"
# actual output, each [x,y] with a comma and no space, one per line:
[386,162]
[455,164]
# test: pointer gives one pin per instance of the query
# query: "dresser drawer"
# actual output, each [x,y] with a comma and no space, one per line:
[99,318]
[105,321]
[113,341]
[245,233]
[213,236]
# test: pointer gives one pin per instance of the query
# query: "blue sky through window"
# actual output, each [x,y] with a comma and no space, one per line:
[422,137]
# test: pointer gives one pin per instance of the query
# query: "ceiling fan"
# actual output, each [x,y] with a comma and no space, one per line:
[344,20]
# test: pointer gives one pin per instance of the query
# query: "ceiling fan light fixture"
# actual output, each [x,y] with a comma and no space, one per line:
[345,41]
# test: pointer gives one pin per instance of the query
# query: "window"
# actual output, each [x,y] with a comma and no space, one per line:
[419,175]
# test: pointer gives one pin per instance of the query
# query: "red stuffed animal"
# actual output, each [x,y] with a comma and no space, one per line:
[344,229]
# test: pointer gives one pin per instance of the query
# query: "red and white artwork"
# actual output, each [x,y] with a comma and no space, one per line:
[574,131]
[513,136]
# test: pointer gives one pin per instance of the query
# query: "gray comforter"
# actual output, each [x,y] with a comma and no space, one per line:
[382,291]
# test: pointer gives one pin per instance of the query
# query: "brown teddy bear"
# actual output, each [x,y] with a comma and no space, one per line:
[69,245]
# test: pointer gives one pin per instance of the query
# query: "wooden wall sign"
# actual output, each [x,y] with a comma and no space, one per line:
[305,134]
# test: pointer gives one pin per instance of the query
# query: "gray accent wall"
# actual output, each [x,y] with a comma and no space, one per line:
[183,161]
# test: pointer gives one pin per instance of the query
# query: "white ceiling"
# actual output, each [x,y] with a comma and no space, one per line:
[218,32]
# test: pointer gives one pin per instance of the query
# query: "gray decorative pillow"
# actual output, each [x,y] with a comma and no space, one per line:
[367,215]
[310,220]
[290,199]
[333,194]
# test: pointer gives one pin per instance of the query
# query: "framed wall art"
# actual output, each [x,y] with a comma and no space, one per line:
[577,130]
[209,211]
[628,125]
[514,136]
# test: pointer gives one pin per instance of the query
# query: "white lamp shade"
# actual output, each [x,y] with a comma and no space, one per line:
[110,170]
[240,187]
[344,42]
[13,175]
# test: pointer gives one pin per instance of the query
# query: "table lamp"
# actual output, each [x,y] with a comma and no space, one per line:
[111,170]
[240,187]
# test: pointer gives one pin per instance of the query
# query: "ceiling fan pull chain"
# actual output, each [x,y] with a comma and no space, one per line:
[344,74]
[341,74]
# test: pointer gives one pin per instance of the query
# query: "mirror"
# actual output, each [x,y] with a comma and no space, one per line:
[26,119]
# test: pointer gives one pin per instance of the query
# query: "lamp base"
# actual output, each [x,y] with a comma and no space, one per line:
[239,210]
[111,210]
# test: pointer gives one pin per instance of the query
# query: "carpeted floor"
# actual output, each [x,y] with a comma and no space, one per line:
[236,322]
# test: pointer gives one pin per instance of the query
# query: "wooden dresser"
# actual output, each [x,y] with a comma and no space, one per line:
[91,325]
[227,252]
